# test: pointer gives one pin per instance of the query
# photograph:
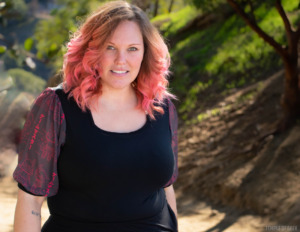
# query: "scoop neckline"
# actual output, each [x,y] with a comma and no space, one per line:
[114,133]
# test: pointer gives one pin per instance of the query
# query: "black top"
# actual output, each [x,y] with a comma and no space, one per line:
[109,178]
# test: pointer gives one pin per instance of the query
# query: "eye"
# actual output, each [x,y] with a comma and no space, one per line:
[132,49]
[110,47]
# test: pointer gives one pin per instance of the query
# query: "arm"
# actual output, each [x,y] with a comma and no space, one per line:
[171,198]
[28,212]
[173,123]
[42,136]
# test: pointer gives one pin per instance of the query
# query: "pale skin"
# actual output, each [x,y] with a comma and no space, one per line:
[28,213]
[121,62]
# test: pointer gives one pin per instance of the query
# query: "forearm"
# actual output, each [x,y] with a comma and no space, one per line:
[171,198]
[28,213]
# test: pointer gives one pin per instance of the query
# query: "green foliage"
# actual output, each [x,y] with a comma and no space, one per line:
[2,49]
[12,9]
[209,113]
[163,6]
[20,6]
[52,34]
[229,53]
[16,53]
[171,23]
[16,10]
[208,5]
[246,97]
[26,81]
[192,95]
[28,44]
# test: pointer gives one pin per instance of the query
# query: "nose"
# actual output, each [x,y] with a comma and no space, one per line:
[120,58]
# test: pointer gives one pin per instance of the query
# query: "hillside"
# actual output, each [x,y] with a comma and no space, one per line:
[231,159]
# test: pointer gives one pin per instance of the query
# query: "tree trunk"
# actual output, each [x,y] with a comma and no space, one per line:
[170,6]
[290,100]
[143,4]
[156,8]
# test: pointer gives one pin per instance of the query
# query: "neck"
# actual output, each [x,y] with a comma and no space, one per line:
[121,99]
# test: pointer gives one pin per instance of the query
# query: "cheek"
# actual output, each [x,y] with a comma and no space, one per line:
[108,56]
[138,59]
[105,60]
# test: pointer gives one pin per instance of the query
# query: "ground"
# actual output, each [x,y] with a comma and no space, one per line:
[234,173]
[233,157]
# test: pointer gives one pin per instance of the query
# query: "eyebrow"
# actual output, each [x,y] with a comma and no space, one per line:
[128,45]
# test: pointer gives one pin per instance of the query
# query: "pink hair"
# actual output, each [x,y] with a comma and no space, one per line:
[81,62]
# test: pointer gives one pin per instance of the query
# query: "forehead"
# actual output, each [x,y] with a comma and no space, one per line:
[127,32]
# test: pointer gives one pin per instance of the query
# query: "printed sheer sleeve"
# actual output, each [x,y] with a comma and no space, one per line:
[173,122]
[42,137]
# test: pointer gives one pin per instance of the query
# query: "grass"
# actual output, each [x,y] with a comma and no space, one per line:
[216,111]
[171,23]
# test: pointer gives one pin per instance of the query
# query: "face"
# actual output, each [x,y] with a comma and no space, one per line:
[122,57]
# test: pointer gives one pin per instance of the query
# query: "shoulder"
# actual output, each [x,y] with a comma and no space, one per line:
[48,100]
[172,109]
[170,104]
[173,117]
[166,103]
[47,95]
[50,93]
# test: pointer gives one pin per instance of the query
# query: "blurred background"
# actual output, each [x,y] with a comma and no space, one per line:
[236,74]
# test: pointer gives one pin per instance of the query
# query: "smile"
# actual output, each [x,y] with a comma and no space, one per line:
[119,72]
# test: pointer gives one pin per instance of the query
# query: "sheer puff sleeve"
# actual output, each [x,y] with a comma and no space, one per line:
[173,123]
[42,137]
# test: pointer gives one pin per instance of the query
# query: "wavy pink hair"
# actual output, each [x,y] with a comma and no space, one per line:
[81,62]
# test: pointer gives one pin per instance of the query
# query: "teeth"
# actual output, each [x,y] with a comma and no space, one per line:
[120,72]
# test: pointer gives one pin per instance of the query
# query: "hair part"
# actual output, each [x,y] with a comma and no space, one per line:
[81,62]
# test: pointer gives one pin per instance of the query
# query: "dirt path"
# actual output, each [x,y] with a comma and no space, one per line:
[199,216]
[194,216]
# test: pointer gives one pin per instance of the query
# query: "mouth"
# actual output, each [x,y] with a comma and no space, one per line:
[119,71]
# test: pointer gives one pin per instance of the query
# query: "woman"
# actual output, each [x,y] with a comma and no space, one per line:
[102,147]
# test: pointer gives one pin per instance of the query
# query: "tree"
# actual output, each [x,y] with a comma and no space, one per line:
[156,5]
[290,100]
[10,9]
[143,4]
[52,34]
[208,5]
[12,12]
[170,6]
